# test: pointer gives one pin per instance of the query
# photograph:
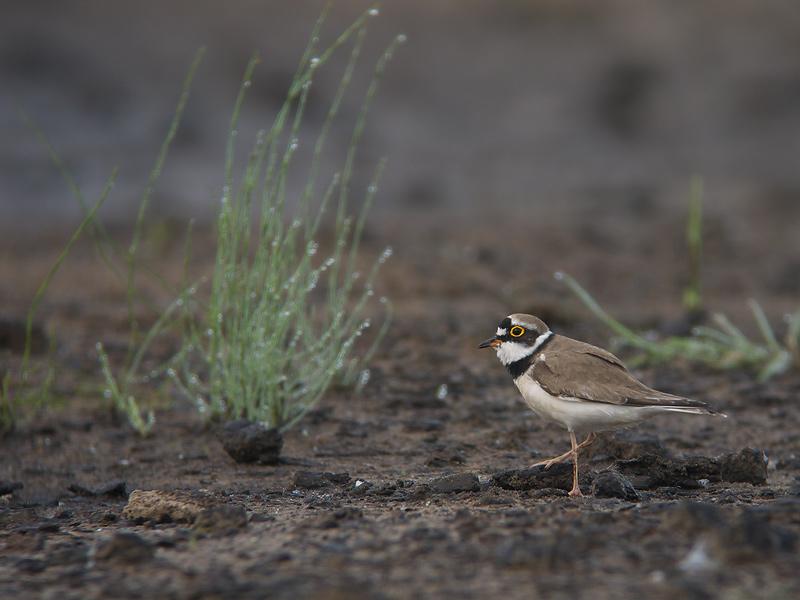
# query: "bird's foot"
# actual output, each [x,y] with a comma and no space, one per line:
[568,455]
[554,461]
[575,492]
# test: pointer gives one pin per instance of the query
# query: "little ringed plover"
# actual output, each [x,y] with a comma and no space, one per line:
[581,387]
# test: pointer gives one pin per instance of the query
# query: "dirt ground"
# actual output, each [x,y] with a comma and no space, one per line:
[390,520]
[523,138]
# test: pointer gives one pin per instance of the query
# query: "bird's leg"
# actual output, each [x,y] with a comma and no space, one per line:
[575,492]
[567,455]
[553,461]
[588,441]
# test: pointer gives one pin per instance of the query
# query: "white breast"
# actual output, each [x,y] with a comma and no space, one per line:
[577,415]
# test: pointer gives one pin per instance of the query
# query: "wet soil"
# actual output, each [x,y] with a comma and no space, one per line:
[402,491]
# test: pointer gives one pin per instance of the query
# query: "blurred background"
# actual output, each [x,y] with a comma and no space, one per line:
[542,109]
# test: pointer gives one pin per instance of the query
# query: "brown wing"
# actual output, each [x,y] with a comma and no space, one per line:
[579,370]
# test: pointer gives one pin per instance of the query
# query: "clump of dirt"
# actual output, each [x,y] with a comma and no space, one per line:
[248,442]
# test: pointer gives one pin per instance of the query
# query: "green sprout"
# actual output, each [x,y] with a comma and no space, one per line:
[692,296]
[283,319]
[721,346]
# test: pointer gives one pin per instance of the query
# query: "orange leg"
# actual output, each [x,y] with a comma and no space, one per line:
[567,455]
[575,492]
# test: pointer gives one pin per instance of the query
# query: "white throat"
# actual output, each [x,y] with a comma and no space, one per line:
[511,352]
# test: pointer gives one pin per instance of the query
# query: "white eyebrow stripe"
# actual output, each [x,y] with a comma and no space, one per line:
[541,340]
[523,324]
[501,331]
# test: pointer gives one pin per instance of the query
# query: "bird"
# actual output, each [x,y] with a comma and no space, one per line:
[581,387]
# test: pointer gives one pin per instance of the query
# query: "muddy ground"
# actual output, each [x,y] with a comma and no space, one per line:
[390,520]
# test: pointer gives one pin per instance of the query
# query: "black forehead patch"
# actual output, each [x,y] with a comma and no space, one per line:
[505,323]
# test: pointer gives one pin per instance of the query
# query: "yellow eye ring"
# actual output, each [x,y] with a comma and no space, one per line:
[516,331]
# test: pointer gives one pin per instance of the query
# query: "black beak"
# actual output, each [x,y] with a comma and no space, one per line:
[490,343]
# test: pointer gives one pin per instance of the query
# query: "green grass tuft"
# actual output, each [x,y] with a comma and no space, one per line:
[124,403]
[721,346]
[282,320]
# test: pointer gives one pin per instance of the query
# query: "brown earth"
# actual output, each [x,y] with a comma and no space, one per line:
[257,531]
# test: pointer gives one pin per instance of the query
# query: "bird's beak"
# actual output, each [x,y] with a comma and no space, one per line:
[490,343]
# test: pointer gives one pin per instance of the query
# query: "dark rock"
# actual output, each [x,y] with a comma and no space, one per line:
[117,488]
[697,468]
[248,442]
[401,490]
[48,526]
[313,479]
[536,478]
[650,471]
[460,482]
[221,520]
[9,487]
[360,487]
[749,465]
[31,565]
[654,471]
[124,547]
[610,484]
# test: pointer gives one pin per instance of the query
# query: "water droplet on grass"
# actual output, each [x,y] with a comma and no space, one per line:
[386,255]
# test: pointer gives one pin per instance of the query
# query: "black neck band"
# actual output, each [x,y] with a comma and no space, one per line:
[519,367]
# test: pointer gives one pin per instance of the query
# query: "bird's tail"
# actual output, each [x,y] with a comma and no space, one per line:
[693,410]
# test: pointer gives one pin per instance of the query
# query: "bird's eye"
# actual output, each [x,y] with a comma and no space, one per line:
[516,331]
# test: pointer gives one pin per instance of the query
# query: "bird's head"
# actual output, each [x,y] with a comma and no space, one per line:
[518,336]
